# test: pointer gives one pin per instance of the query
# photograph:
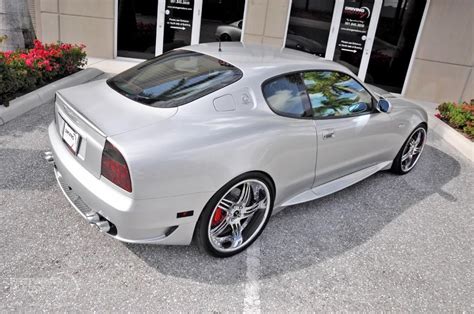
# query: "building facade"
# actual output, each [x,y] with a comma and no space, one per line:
[418,48]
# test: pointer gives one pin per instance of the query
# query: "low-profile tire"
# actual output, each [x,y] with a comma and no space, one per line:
[225,37]
[236,215]
[411,150]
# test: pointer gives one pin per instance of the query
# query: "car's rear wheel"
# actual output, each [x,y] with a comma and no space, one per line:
[235,216]
[411,151]
[225,37]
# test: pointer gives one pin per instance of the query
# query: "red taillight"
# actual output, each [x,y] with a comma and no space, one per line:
[115,168]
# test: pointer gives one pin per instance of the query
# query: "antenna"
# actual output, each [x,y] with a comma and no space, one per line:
[220,50]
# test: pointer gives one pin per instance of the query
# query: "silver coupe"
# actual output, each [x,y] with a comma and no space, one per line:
[207,142]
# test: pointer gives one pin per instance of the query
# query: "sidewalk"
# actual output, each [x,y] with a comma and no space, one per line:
[111,66]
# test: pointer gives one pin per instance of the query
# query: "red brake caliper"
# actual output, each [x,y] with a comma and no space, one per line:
[218,217]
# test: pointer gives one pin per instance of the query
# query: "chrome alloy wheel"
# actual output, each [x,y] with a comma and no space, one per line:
[239,215]
[413,148]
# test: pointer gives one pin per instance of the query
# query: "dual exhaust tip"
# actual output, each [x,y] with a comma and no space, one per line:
[93,218]
[48,156]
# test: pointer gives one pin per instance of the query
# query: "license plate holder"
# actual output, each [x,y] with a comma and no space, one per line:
[71,138]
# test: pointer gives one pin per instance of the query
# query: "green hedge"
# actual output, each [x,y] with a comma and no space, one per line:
[22,71]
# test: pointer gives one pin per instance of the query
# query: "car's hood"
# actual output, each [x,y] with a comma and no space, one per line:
[109,111]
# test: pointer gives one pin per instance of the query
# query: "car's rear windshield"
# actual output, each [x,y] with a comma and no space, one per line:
[174,78]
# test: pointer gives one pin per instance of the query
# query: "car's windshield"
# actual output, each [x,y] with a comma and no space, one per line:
[174,78]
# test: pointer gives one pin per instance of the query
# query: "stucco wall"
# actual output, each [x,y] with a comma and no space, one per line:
[443,66]
[89,22]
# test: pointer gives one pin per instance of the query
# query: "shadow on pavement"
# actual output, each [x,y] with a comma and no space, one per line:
[310,233]
[25,169]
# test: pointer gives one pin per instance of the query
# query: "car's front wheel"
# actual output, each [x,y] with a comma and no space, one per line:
[411,151]
[235,216]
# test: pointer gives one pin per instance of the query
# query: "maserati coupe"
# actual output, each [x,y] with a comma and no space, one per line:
[204,143]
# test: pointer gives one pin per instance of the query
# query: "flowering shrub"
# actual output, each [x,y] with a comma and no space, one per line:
[459,116]
[22,71]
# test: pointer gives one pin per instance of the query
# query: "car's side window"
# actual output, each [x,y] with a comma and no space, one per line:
[335,94]
[286,95]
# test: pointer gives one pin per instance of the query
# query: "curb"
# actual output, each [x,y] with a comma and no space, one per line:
[452,137]
[45,94]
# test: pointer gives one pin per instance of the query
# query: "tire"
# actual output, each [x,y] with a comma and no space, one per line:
[236,215]
[403,164]
[225,37]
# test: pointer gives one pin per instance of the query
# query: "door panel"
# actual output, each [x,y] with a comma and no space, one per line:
[351,134]
[346,145]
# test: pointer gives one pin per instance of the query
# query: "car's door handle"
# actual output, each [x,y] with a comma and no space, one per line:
[328,133]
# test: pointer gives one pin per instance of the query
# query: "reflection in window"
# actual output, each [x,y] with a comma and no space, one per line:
[286,95]
[136,33]
[178,24]
[309,26]
[334,94]
[395,38]
[221,20]
[175,78]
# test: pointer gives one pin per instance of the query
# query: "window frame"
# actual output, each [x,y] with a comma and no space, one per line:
[180,51]
[308,105]
[372,96]
[308,110]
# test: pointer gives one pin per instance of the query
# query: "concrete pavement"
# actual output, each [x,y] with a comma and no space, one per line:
[389,243]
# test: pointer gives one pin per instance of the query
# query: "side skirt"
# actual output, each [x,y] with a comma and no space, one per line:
[336,185]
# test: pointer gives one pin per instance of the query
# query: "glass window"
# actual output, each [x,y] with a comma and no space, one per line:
[352,34]
[178,24]
[286,95]
[398,26]
[335,94]
[221,20]
[309,26]
[136,33]
[174,78]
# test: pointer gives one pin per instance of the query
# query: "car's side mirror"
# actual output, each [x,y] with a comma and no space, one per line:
[384,105]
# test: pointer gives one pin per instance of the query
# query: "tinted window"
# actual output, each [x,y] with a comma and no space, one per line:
[174,79]
[286,95]
[309,25]
[334,94]
[136,28]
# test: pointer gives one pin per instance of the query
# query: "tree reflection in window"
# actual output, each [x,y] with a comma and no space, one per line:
[335,94]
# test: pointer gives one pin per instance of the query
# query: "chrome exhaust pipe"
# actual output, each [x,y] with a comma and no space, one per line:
[48,156]
[103,226]
[92,217]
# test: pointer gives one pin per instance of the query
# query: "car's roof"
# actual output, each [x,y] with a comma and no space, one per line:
[255,59]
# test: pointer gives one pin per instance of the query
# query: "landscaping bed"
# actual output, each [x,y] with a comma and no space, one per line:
[23,71]
[459,117]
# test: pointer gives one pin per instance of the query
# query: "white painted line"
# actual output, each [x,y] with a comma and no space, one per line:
[252,288]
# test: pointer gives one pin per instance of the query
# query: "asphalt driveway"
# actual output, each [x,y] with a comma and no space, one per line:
[388,243]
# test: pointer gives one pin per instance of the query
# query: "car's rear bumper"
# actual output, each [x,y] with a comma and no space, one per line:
[136,221]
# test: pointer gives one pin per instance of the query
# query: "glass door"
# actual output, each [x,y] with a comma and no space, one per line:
[354,25]
[310,26]
[178,24]
[136,28]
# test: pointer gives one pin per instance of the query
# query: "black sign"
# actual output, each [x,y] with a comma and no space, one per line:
[353,30]
[178,23]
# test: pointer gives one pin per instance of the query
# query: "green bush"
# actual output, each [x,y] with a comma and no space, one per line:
[459,116]
[22,71]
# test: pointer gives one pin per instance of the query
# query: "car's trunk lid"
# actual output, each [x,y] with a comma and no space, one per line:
[108,110]
[93,112]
